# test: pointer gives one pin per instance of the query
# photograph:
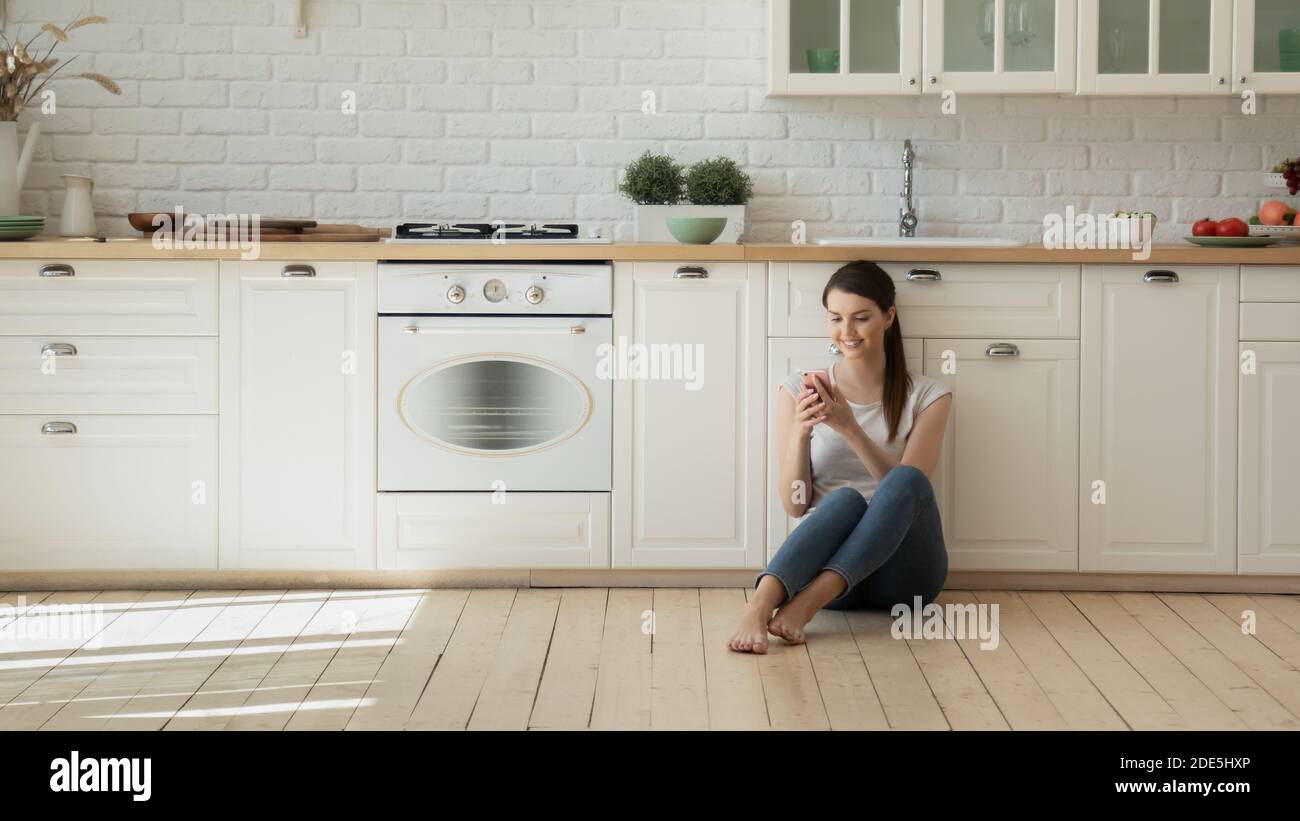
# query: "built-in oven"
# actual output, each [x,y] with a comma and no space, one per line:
[490,378]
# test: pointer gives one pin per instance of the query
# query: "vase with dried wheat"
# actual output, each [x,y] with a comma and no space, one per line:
[24,73]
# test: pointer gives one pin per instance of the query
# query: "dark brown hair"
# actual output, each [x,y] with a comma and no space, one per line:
[867,279]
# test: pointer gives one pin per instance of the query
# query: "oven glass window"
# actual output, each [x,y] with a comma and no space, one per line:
[495,405]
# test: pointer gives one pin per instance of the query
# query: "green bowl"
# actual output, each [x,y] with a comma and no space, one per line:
[823,60]
[696,230]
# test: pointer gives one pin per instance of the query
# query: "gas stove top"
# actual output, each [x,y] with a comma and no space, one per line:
[481,232]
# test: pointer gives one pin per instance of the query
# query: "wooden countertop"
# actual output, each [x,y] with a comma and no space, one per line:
[55,249]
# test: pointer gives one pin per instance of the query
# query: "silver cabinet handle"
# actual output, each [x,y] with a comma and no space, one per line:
[58,428]
[1160,276]
[1002,349]
[58,270]
[59,349]
[297,271]
[691,272]
[923,275]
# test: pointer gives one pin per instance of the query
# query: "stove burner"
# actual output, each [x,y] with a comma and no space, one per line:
[484,231]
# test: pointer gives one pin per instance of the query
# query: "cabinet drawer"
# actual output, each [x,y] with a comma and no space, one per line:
[119,492]
[469,530]
[1270,283]
[941,299]
[104,374]
[1279,321]
[117,297]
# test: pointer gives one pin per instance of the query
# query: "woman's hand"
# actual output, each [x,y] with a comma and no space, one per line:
[809,411]
[835,410]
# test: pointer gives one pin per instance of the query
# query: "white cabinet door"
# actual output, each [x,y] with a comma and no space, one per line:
[688,470]
[784,357]
[108,492]
[1158,419]
[1007,477]
[1266,57]
[1155,46]
[845,47]
[298,415]
[1270,460]
[1000,46]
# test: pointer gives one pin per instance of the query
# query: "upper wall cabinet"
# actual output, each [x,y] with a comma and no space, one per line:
[845,47]
[1154,47]
[1266,55]
[1000,46]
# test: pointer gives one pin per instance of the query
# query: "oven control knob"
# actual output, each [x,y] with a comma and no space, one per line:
[455,294]
[534,295]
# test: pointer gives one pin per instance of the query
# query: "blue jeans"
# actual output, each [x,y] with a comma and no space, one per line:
[888,550]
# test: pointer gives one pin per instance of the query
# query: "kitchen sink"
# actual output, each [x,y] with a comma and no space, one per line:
[959,242]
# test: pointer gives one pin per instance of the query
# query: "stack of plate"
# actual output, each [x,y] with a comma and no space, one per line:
[20,227]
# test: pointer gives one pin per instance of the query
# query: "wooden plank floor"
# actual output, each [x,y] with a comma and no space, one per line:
[591,658]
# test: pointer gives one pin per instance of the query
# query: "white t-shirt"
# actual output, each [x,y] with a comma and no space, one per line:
[834,464]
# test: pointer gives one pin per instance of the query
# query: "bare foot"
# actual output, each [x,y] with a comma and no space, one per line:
[788,623]
[751,633]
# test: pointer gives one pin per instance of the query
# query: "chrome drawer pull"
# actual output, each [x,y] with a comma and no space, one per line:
[691,272]
[59,270]
[59,349]
[1002,349]
[58,428]
[923,275]
[1160,276]
[297,271]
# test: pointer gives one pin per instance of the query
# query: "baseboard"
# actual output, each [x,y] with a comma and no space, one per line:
[378,579]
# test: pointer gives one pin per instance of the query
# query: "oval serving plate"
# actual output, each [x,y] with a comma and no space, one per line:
[1233,242]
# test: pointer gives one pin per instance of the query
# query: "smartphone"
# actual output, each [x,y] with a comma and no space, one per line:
[808,378]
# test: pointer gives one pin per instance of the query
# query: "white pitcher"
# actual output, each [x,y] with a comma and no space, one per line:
[78,218]
[13,167]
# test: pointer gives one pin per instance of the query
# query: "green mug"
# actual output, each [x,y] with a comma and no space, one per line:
[1288,49]
[824,60]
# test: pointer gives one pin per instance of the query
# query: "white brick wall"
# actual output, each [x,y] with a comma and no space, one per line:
[519,110]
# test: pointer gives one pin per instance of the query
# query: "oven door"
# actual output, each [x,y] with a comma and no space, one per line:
[494,403]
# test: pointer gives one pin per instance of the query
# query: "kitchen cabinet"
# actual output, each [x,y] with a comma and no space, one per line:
[845,47]
[1157,467]
[688,432]
[1269,439]
[1149,47]
[940,299]
[1008,475]
[172,297]
[1269,530]
[108,492]
[1266,56]
[298,415]
[785,356]
[1000,46]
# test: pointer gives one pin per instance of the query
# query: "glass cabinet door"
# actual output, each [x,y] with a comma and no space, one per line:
[1155,46]
[1267,53]
[845,46]
[1000,46]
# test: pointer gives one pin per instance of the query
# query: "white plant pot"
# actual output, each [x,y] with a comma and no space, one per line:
[651,225]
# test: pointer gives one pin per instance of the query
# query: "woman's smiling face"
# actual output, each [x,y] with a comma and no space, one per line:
[856,324]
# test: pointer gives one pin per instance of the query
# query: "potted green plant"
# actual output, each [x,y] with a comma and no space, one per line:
[697,205]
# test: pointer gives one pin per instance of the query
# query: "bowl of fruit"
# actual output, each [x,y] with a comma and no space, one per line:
[1230,232]
[1275,219]
[1286,174]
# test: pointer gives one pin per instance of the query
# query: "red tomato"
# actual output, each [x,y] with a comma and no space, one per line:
[1232,227]
[1205,228]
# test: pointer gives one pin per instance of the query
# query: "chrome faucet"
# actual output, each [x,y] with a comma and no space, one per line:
[907,214]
